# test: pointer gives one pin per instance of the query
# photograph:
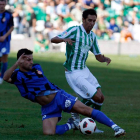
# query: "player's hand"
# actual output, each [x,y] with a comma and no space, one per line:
[69,41]
[107,60]
[20,60]
[2,38]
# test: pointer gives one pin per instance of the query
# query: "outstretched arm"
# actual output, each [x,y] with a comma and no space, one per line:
[2,38]
[8,73]
[102,58]
[59,40]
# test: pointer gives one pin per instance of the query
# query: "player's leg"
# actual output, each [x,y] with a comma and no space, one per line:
[79,81]
[97,115]
[5,50]
[97,100]
[50,126]
[4,64]
[51,114]
[3,67]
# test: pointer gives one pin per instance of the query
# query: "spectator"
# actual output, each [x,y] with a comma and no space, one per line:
[39,11]
[113,30]
[117,5]
[30,20]
[76,12]
[132,17]
[102,27]
[41,44]
[119,22]
[113,27]
[101,11]
[18,16]
[107,3]
[50,8]
[62,9]
[88,4]
[126,35]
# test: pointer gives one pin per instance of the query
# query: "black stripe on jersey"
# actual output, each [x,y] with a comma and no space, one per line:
[24,85]
[1,33]
[33,93]
[36,88]
[27,76]
[47,86]
[26,96]
[14,76]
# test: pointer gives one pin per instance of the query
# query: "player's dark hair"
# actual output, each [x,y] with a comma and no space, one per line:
[25,51]
[89,12]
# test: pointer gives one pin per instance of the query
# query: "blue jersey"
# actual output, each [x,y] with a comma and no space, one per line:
[31,83]
[6,22]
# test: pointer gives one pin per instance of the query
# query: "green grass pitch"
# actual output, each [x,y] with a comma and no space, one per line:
[20,119]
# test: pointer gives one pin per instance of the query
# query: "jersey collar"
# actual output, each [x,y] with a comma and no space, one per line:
[83,29]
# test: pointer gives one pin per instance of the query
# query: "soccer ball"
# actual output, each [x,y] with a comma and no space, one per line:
[87,126]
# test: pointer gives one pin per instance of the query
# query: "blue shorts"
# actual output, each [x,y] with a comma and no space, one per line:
[61,102]
[5,47]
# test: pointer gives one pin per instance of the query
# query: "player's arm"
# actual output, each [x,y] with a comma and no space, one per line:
[65,36]
[11,27]
[102,58]
[9,72]
[2,38]
[59,40]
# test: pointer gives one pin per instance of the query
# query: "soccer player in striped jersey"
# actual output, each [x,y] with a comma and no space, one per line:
[33,85]
[79,41]
[6,27]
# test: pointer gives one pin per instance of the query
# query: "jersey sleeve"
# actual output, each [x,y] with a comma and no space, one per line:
[14,77]
[25,94]
[95,47]
[67,33]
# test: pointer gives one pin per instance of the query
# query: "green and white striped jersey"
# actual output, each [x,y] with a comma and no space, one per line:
[76,54]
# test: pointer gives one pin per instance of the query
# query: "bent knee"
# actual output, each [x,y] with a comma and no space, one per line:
[99,98]
[102,99]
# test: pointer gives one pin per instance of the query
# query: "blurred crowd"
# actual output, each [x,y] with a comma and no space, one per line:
[117,20]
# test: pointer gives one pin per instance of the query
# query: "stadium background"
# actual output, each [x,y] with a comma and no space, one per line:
[118,21]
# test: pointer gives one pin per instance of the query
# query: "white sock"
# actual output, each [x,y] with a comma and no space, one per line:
[113,126]
[71,126]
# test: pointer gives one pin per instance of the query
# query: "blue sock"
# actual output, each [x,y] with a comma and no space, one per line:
[61,129]
[3,69]
[101,118]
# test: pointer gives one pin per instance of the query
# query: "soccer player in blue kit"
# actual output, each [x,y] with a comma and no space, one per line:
[33,85]
[6,27]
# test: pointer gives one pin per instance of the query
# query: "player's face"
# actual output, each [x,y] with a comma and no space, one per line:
[2,6]
[89,22]
[27,63]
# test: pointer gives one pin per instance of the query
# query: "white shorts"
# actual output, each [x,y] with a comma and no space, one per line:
[82,82]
